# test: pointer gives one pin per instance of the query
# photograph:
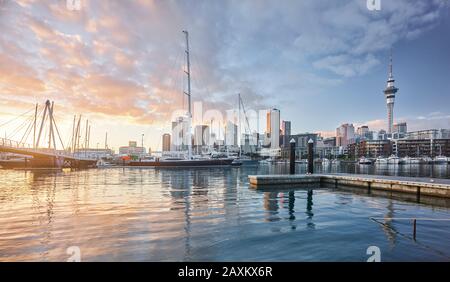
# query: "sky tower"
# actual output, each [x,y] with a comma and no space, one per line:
[389,93]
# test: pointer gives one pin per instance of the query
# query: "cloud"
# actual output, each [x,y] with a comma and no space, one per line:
[126,59]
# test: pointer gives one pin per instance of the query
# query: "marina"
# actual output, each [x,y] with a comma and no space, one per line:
[166,131]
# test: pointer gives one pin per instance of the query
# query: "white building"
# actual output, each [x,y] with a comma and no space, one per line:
[180,129]
[273,127]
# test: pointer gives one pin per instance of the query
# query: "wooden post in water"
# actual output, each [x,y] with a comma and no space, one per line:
[414,228]
[310,156]
[292,157]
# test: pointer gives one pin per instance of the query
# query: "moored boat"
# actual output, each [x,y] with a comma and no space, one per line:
[364,161]
[184,162]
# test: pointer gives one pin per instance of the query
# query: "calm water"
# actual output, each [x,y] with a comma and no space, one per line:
[149,214]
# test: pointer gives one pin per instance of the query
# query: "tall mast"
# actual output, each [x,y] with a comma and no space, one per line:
[239,119]
[188,73]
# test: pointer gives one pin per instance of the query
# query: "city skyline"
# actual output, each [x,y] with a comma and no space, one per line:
[124,74]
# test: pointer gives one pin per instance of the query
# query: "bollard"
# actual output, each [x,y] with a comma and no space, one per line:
[292,157]
[310,156]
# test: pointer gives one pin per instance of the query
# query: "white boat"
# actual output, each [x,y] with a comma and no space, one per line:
[364,161]
[102,163]
[335,161]
[408,161]
[440,160]
[427,160]
[393,160]
[381,161]
[325,161]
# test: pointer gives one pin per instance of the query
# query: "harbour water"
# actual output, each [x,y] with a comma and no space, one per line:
[146,214]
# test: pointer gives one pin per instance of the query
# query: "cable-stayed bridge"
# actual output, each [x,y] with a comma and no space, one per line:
[43,153]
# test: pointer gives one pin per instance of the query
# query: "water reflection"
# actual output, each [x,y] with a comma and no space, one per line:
[309,213]
[188,214]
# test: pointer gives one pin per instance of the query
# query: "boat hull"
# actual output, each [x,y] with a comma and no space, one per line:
[11,164]
[184,163]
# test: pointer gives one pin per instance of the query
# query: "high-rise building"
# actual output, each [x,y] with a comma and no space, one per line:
[273,127]
[179,134]
[166,142]
[345,134]
[231,134]
[362,130]
[286,127]
[285,132]
[201,135]
[389,93]
[400,127]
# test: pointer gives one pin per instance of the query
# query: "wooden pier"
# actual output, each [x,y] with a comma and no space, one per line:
[411,185]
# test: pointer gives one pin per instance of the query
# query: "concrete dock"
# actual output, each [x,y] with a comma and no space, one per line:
[411,185]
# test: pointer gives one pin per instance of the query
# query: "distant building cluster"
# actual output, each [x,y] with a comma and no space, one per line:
[348,142]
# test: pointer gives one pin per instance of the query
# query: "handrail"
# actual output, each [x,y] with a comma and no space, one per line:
[29,148]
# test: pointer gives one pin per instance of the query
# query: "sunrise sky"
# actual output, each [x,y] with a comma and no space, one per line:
[322,63]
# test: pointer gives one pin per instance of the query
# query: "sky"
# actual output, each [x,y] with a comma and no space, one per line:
[322,63]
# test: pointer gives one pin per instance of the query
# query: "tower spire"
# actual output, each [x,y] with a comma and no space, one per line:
[390,65]
[389,93]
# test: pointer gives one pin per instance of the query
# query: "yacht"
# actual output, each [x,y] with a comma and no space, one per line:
[364,160]
[188,161]
[335,161]
[409,161]
[381,161]
[393,160]
[440,160]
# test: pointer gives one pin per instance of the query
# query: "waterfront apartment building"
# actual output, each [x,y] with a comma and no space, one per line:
[132,149]
[429,134]
[166,142]
[422,147]
[345,134]
[370,149]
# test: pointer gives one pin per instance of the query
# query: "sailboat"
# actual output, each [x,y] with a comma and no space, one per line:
[190,161]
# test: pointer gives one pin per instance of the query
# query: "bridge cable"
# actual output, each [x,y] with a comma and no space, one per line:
[29,129]
[57,131]
[14,118]
[19,128]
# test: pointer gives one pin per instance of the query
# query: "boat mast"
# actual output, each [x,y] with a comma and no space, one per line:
[239,131]
[188,73]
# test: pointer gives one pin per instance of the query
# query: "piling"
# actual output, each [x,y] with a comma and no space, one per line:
[310,156]
[292,157]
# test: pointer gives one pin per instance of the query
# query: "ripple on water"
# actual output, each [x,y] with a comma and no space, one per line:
[202,214]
